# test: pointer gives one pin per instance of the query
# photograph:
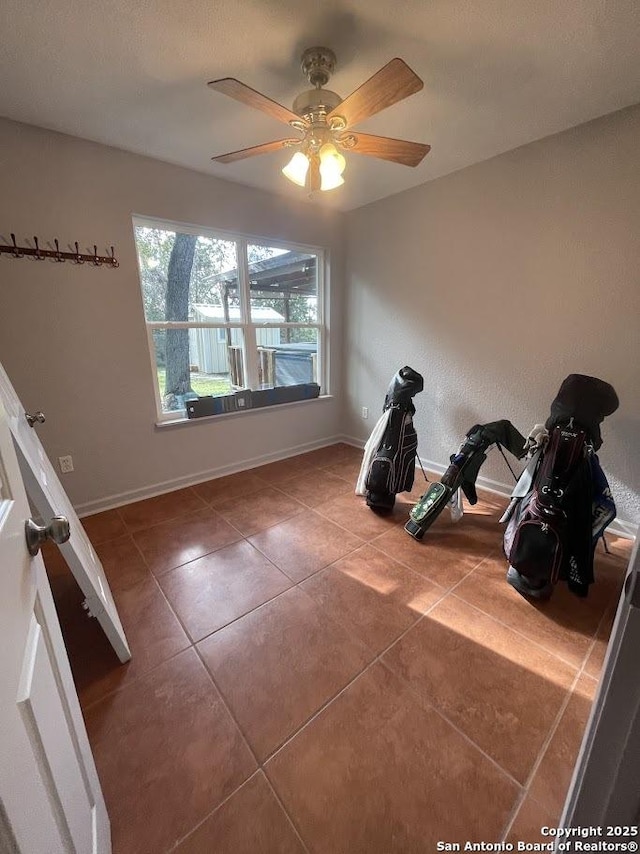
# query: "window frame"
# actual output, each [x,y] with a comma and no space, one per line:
[246,325]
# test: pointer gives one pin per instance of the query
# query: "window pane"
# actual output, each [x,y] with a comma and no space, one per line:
[185,276]
[213,359]
[283,285]
[287,356]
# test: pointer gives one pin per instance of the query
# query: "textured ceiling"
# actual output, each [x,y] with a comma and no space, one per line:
[497,73]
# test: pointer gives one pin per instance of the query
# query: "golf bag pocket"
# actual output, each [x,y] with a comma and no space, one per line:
[537,550]
[392,468]
[380,477]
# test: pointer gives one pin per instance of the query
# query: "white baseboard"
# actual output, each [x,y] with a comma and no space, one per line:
[619,527]
[109,502]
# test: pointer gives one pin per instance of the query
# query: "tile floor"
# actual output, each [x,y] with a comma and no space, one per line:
[307,678]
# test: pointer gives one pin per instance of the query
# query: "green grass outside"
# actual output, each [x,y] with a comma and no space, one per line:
[200,385]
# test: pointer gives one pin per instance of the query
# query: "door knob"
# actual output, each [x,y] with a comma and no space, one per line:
[57,530]
[31,419]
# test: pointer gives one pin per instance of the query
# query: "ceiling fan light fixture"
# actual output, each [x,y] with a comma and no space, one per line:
[297,168]
[332,165]
[324,121]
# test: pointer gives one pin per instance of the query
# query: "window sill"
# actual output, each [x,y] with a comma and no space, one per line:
[182,420]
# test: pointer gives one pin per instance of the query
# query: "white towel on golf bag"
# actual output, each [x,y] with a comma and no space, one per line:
[455,506]
[370,450]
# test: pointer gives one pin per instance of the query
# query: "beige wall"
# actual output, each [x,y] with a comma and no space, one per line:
[498,281]
[73,339]
[494,282]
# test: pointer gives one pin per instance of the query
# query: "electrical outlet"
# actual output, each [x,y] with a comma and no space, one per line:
[66,464]
[365,412]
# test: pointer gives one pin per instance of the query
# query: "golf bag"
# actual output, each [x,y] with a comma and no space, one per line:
[562,503]
[388,465]
[462,473]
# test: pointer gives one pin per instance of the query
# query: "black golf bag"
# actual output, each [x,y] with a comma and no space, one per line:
[462,472]
[388,465]
[562,502]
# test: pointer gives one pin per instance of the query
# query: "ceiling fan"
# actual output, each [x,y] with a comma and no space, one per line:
[324,121]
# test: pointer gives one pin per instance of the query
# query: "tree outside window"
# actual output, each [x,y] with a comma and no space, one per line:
[225,314]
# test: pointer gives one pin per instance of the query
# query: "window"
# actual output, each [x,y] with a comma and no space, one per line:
[225,313]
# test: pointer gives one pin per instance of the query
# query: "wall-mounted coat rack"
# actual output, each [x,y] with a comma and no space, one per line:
[76,257]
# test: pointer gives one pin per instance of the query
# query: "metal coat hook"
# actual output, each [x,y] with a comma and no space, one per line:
[38,256]
[77,257]
[16,250]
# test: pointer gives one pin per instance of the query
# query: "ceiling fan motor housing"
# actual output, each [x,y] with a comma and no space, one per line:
[314,103]
[318,64]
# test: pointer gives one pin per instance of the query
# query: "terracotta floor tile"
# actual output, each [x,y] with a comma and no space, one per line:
[250,514]
[551,781]
[529,821]
[315,490]
[613,568]
[378,772]
[122,562]
[331,455]
[593,664]
[280,471]
[420,486]
[445,557]
[480,526]
[153,632]
[230,486]
[372,595]
[304,544]
[250,822]
[498,503]
[503,693]
[161,508]
[351,512]
[380,768]
[564,625]
[278,665]
[347,470]
[620,547]
[171,544]
[104,526]
[167,753]
[216,589]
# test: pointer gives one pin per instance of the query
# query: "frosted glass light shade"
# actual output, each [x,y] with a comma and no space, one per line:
[297,168]
[332,165]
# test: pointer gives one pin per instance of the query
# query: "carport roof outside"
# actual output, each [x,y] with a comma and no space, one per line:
[290,273]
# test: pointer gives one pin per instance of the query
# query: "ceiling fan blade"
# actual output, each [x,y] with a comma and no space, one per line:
[396,150]
[265,148]
[246,95]
[394,82]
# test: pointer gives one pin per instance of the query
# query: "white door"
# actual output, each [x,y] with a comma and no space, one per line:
[49,499]
[50,797]
[605,791]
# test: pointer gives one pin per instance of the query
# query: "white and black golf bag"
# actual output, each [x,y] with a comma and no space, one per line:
[388,465]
